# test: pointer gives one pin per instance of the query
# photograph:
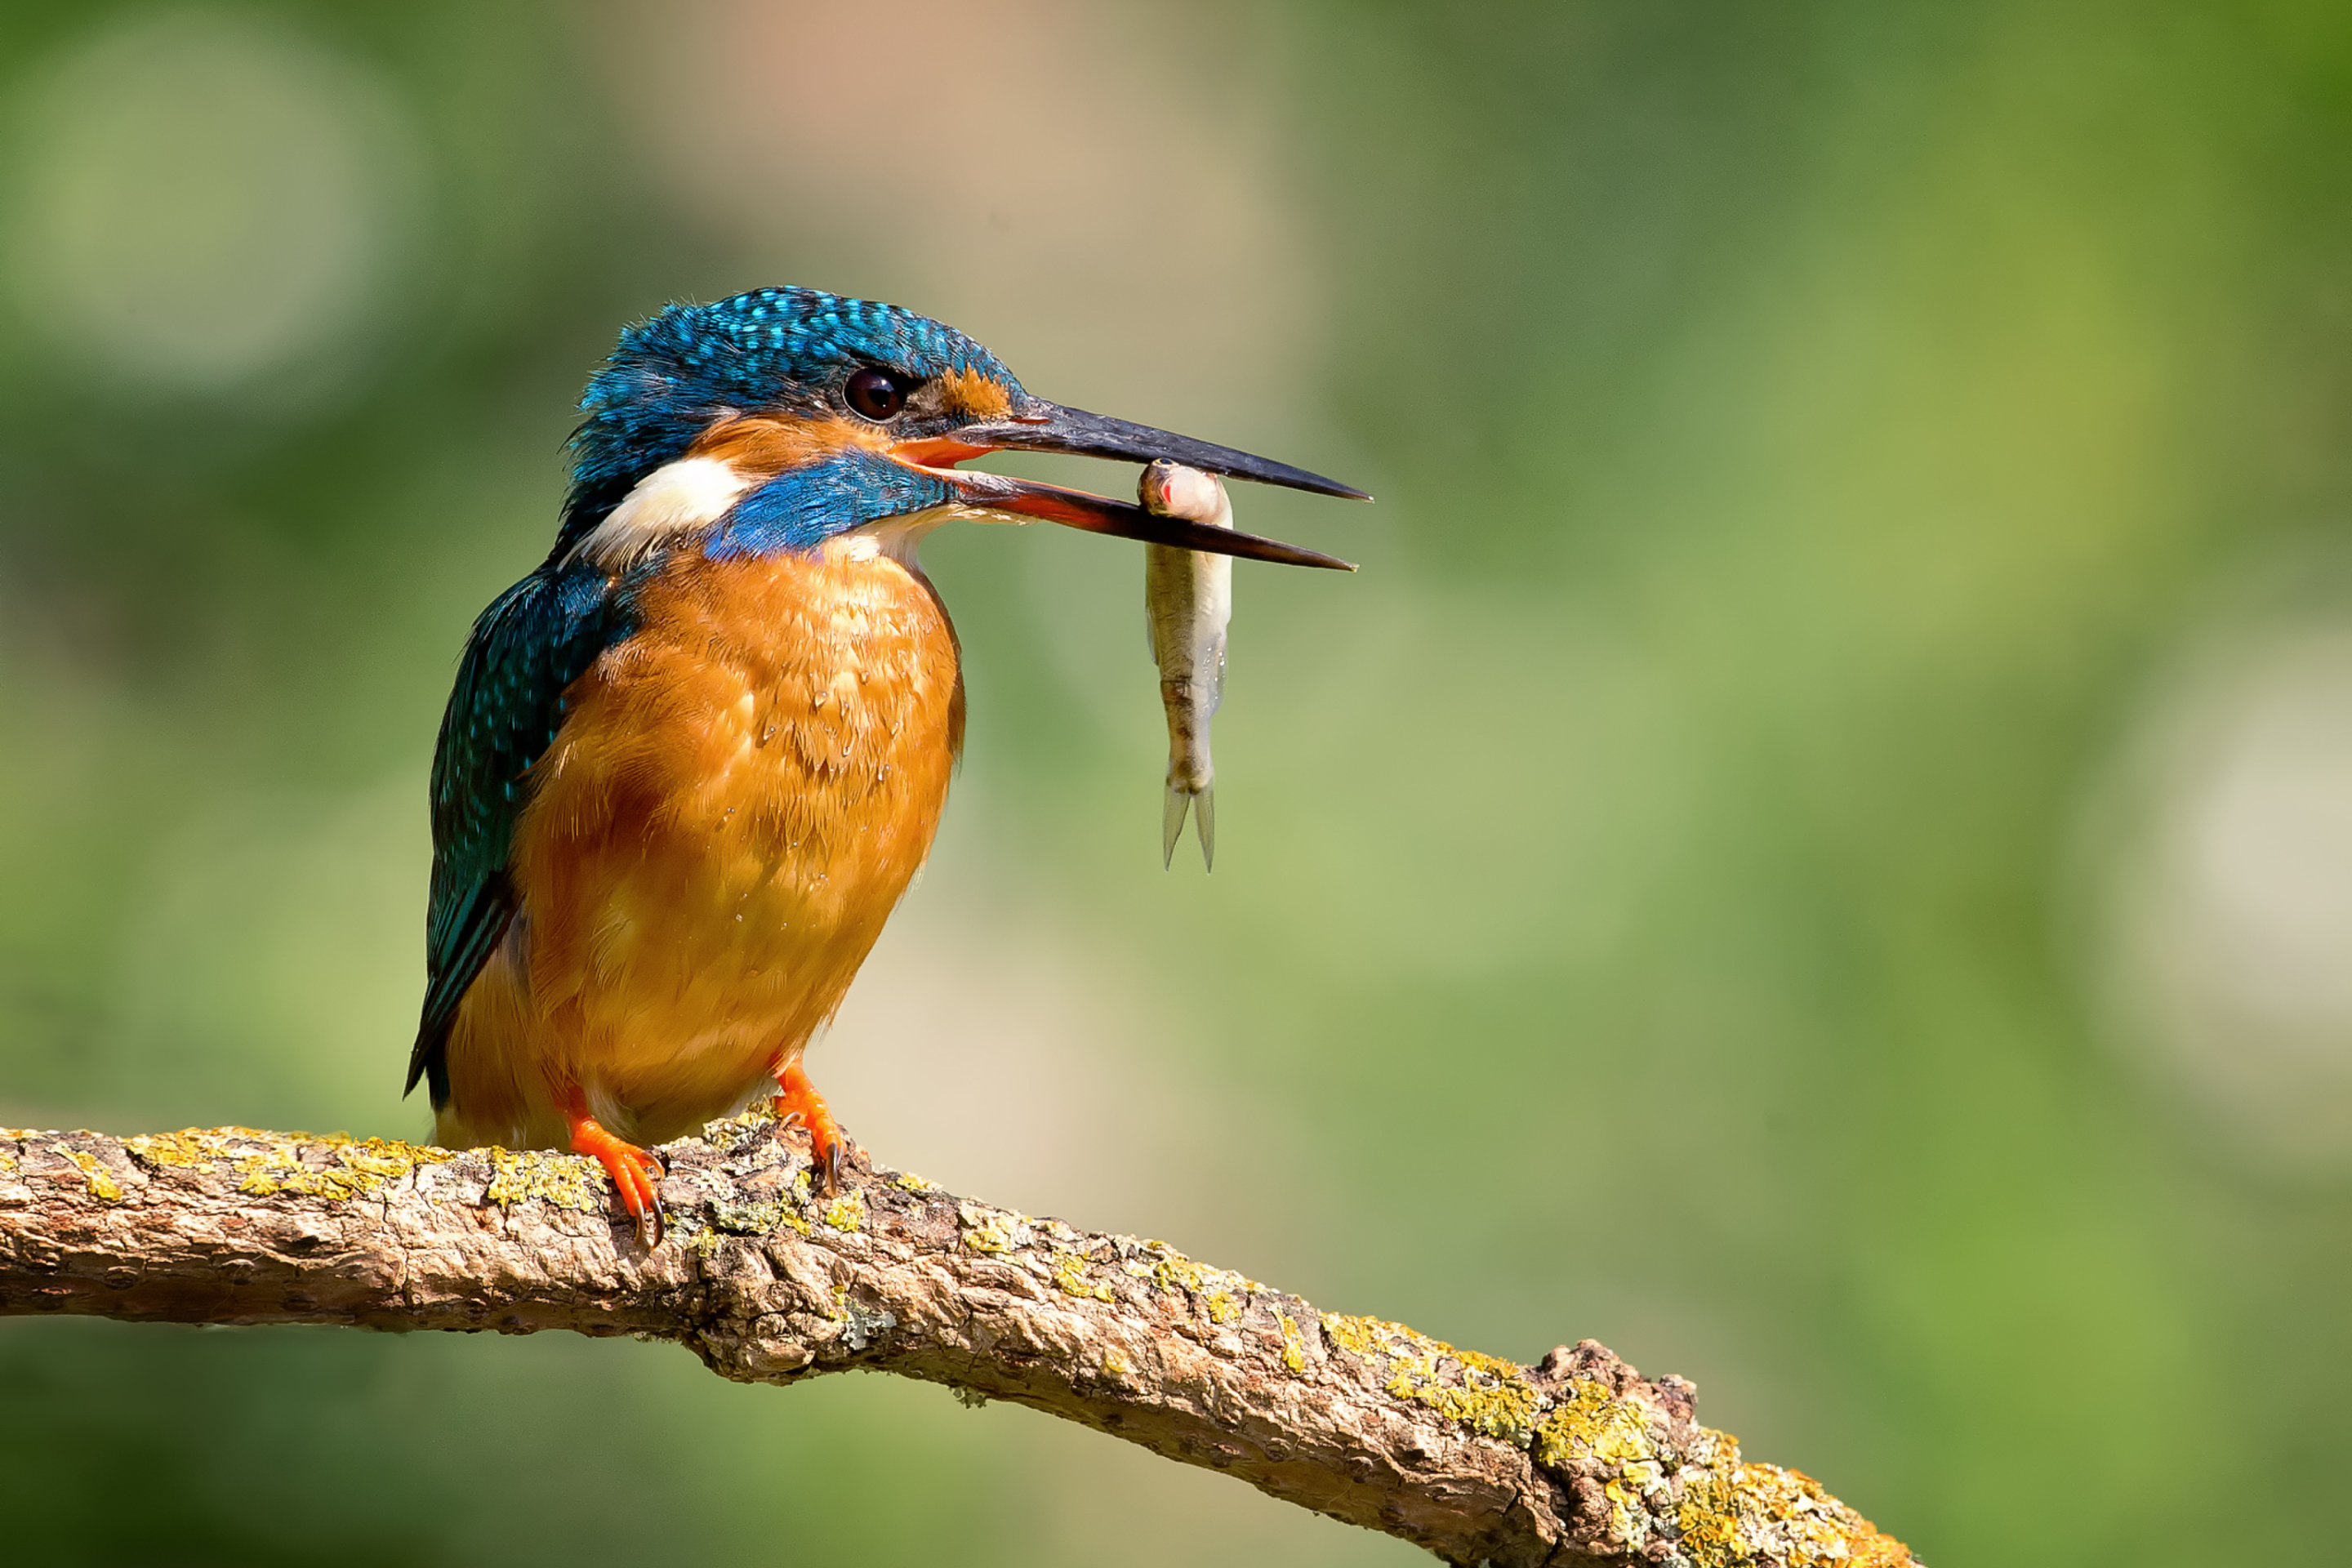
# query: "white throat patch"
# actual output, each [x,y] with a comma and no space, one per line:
[676,498]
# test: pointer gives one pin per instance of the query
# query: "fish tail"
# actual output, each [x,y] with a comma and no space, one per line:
[1205,823]
[1172,822]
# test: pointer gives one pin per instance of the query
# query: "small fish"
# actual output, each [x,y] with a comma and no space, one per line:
[1188,598]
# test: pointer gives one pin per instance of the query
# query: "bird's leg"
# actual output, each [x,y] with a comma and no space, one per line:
[797,1099]
[637,1174]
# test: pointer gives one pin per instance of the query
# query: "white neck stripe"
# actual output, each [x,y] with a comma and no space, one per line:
[676,498]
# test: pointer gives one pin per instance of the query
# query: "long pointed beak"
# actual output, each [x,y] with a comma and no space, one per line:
[1042,426]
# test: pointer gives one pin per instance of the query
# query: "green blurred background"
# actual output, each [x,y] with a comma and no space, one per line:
[1818,850]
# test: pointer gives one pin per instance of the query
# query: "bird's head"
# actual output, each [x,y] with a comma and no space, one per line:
[784,418]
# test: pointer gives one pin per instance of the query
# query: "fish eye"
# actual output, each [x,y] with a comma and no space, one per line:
[875,394]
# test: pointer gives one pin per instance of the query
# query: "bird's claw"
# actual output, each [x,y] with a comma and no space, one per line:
[830,1161]
[829,1149]
[652,1219]
[636,1176]
[797,1100]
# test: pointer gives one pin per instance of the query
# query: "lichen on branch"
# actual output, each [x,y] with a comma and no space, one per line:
[1577,1459]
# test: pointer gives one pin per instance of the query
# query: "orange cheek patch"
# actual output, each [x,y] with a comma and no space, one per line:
[764,448]
[967,392]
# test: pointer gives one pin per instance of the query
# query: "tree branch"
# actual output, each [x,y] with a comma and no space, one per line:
[1575,1461]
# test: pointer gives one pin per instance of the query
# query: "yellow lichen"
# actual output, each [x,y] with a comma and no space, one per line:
[1070,1278]
[1737,1513]
[357,1166]
[730,1132]
[1167,1269]
[913,1182]
[1592,1424]
[1221,1307]
[983,1231]
[1171,1270]
[267,1164]
[274,1170]
[1114,1365]
[1709,1449]
[846,1213]
[1294,1348]
[1629,1520]
[567,1181]
[1491,1397]
[102,1184]
[753,1218]
[1362,1336]
[190,1150]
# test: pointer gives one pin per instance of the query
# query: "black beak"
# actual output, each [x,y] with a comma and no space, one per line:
[1042,426]
[1045,427]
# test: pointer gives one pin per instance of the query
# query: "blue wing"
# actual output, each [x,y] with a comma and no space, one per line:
[526,650]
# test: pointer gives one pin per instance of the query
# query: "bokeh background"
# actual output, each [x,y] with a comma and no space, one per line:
[1818,850]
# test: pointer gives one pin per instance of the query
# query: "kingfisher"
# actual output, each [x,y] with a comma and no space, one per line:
[691,763]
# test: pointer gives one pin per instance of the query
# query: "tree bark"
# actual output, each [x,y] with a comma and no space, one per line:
[1578,1459]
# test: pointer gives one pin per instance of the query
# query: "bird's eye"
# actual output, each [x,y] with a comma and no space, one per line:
[876,394]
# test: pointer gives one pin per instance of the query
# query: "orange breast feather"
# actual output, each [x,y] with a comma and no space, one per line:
[738,798]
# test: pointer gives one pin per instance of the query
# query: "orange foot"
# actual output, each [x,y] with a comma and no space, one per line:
[828,1144]
[637,1174]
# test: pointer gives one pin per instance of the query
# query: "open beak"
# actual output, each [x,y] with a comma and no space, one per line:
[1042,426]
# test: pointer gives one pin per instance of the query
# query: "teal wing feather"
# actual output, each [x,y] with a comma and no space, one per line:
[526,650]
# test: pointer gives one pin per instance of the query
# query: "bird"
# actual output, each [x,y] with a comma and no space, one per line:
[692,761]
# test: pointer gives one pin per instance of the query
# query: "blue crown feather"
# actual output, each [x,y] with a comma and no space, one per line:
[673,375]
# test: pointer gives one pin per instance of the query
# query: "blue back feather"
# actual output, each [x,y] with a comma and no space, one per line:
[533,642]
